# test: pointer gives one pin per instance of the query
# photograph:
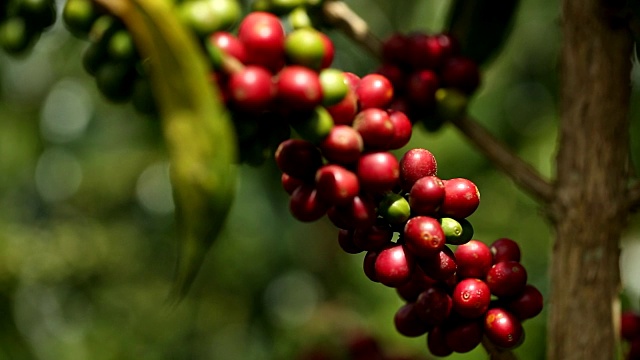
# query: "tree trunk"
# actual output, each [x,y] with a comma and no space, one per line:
[589,206]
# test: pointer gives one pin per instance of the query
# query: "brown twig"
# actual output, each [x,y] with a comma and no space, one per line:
[634,197]
[495,353]
[340,15]
[523,174]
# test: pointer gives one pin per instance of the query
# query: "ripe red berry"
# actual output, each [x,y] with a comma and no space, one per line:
[360,212]
[433,305]
[464,335]
[471,298]
[394,49]
[329,51]
[441,266]
[375,127]
[290,183]
[415,164]
[408,323]
[507,278]
[529,303]
[436,342]
[263,36]
[345,240]
[374,91]
[298,158]
[402,129]
[423,236]
[474,259]
[461,73]
[336,185]
[426,195]
[395,74]
[375,237]
[417,284]
[343,145]
[505,249]
[298,88]
[369,265]
[344,111]
[421,88]
[461,199]
[503,328]
[229,44]
[378,172]
[251,89]
[305,205]
[394,266]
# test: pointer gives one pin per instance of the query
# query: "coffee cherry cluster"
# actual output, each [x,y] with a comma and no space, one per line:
[22,22]
[630,333]
[273,81]
[111,56]
[432,79]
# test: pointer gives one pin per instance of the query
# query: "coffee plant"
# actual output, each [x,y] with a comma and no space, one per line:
[255,82]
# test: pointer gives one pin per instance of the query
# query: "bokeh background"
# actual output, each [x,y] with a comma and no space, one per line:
[87,238]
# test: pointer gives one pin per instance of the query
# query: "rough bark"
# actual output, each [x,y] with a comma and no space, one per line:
[590,206]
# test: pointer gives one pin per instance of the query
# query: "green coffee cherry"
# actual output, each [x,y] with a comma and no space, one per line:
[305,47]
[121,46]
[316,127]
[451,104]
[115,80]
[395,209]
[15,37]
[41,13]
[285,6]
[299,18]
[79,16]
[204,17]
[334,86]
[457,232]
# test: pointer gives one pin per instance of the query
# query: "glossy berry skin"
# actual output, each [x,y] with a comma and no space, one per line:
[378,172]
[394,266]
[507,278]
[329,51]
[374,91]
[344,111]
[503,328]
[306,47]
[263,37]
[471,298]
[456,232]
[529,304]
[410,291]
[252,89]
[474,259]
[369,265]
[305,205]
[461,199]
[336,185]
[441,266]
[229,44]
[343,145]
[426,195]
[375,127]
[402,129]
[298,158]
[436,342]
[464,335]
[290,183]
[505,249]
[408,323]
[433,305]
[461,73]
[334,86]
[298,88]
[360,212]
[415,164]
[345,240]
[423,236]
[394,209]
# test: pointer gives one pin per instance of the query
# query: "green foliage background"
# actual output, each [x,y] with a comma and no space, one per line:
[87,238]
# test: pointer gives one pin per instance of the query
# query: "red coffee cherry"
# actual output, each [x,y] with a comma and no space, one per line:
[378,172]
[251,89]
[505,249]
[290,183]
[395,74]
[423,236]
[298,158]
[463,335]
[417,284]
[345,240]
[433,305]
[336,185]
[298,88]
[375,237]
[369,265]
[507,278]
[402,129]
[474,259]
[344,111]
[263,36]
[441,266]
[394,49]
[436,342]
[394,266]
[375,127]
[229,44]
[426,195]
[461,73]
[374,91]
[471,298]
[503,328]
[343,145]
[408,323]
[305,205]
[415,164]
[421,88]
[529,303]
[329,51]
[360,212]
[461,199]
